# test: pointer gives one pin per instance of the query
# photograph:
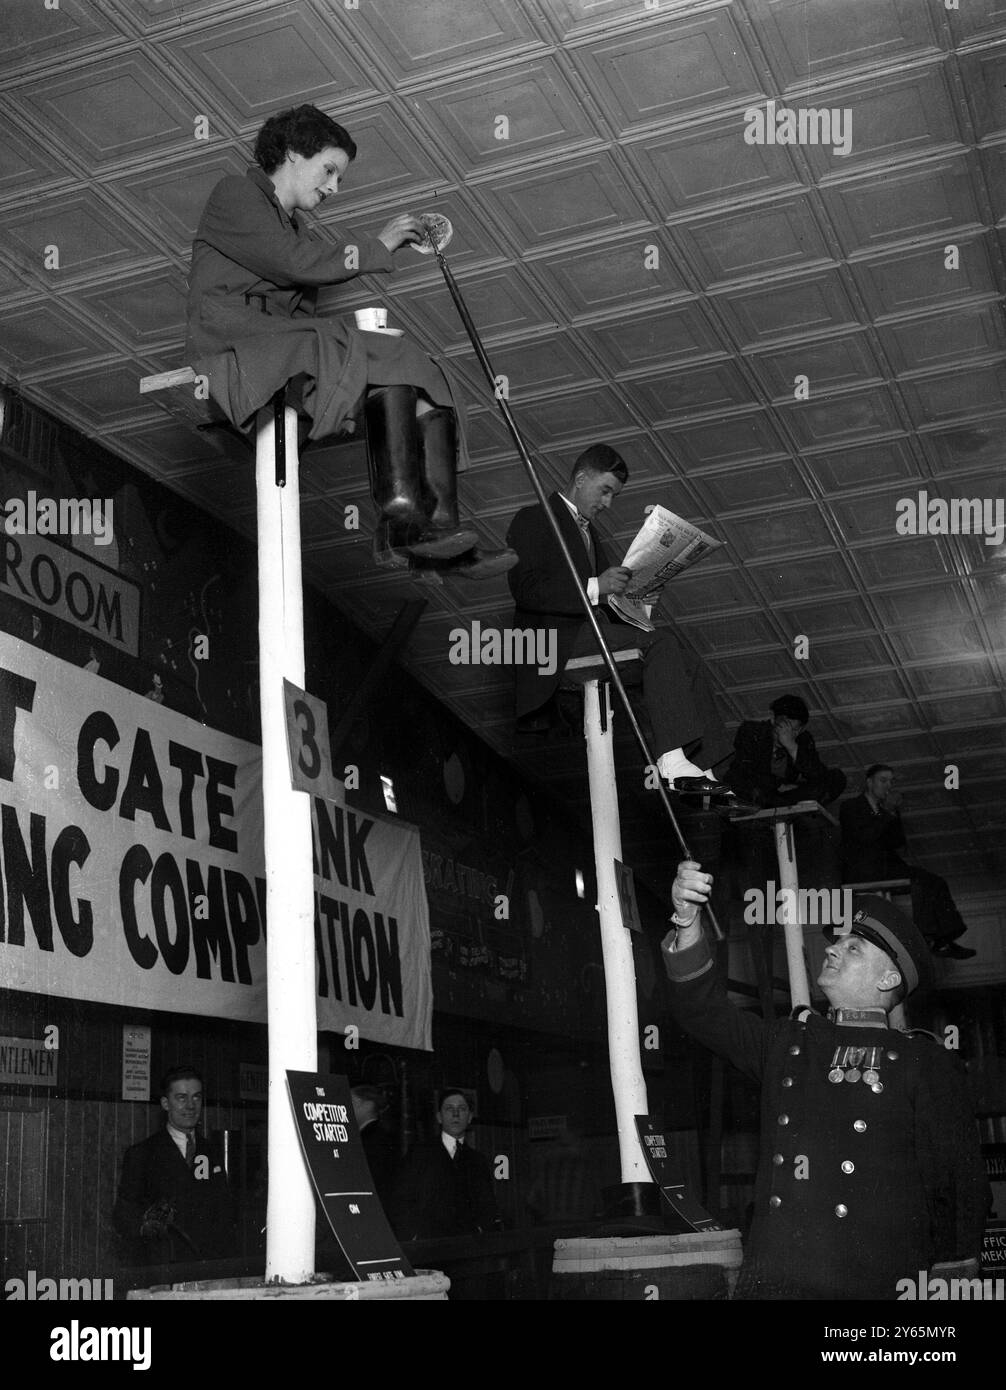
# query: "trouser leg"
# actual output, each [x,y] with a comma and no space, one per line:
[680,702]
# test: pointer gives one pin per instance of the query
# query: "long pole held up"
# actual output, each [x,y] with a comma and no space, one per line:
[588,607]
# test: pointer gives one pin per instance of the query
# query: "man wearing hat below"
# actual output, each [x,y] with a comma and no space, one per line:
[870,1169]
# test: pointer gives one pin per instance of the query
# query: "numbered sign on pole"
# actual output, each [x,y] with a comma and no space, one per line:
[307,736]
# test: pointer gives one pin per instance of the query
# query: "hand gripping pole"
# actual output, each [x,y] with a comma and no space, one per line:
[588,607]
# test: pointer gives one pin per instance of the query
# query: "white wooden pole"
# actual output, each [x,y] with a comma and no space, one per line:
[799,989]
[616,944]
[292,1009]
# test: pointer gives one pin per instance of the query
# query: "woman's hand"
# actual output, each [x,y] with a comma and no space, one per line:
[403,230]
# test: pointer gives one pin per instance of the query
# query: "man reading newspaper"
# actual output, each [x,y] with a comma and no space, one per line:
[687,731]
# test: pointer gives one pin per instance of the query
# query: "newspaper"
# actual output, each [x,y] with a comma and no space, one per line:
[664,546]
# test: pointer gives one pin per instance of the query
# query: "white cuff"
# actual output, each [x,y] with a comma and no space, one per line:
[592,591]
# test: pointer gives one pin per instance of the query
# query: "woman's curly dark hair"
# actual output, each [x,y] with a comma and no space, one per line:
[303,129]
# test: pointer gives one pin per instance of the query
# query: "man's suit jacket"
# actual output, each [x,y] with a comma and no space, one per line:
[436,1195]
[545,595]
[155,1170]
[870,841]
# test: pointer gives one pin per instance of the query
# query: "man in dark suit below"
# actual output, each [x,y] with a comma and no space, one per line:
[445,1188]
[872,836]
[688,734]
[776,762]
[378,1145]
[174,1203]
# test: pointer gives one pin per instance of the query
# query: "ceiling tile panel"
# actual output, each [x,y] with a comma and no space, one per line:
[173,196]
[44,335]
[390,157]
[733,634]
[935,641]
[851,415]
[754,486]
[809,39]
[711,165]
[574,199]
[827,618]
[422,39]
[830,658]
[716,388]
[495,120]
[616,273]
[872,689]
[112,110]
[577,415]
[943,604]
[918,280]
[973,674]
[704,597]
[982,75]
[845,359]
[26,165]
[672,334]
[33,30]
[259,64]
[147,309]
[888,119]
[812,304]
[954,335]
[793,531]
[965,709]
[869,517]
[628,76]
[498,300]
[871,465]
[103,395]
[968,449]
[795,579]
[902,558]
[86,235]
[902,204]
[546,364]
[732,671]
[742,437]
[757,241]
[970,392]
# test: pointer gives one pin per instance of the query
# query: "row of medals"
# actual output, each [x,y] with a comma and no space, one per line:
[846,1063]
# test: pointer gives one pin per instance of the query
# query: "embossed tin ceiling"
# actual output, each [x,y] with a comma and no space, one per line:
[626,132]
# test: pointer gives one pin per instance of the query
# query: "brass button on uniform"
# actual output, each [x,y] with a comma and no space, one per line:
[841,1210]
[783,1119]
[795,1050]
[848,1167]
[859,1126]
[892,1056]
[775,1201]
[777,1159]
[787,1081]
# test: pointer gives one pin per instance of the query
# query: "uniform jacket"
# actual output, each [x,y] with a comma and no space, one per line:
[155,1170]
[544,593]
[856,1189]
[751,769]
[253,289]
[870,841]
[436,1195]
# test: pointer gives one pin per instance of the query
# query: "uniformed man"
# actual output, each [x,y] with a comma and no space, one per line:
[870,1168]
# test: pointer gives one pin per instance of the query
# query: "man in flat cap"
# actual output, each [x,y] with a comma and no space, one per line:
[870,1168]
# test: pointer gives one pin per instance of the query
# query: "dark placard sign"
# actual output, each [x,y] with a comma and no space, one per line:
[666,1175]
[333,1150]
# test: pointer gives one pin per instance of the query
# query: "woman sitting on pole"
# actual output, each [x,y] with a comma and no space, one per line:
[253,286]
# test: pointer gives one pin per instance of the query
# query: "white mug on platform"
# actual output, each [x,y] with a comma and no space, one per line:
[370,320]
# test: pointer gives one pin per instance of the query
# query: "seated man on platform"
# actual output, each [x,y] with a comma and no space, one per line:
[445,1188]
[174,1202]
[688,734]
[872,836]
[776,762]
[870,1173]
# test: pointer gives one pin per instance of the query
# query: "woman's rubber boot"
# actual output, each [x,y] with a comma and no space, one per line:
[438,433]
[404,528]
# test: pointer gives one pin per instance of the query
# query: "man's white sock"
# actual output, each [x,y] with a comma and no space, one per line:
[674,764]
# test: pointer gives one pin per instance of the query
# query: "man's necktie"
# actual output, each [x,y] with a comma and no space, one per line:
[457,1149]
[190,1148]
[584,526]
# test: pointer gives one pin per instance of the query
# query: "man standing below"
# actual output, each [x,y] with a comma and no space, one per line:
[174,1202]
[688,734]
[776,762]
[872,835]
[445,1188]
[870,1168]
[378,1145]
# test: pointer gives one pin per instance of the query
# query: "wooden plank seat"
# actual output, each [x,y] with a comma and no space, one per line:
[884,886]
[580,669]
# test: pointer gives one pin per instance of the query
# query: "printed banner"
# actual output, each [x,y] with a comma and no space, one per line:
[132,863]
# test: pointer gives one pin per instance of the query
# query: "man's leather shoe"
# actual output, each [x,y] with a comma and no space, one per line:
[702,786]
[950,950]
